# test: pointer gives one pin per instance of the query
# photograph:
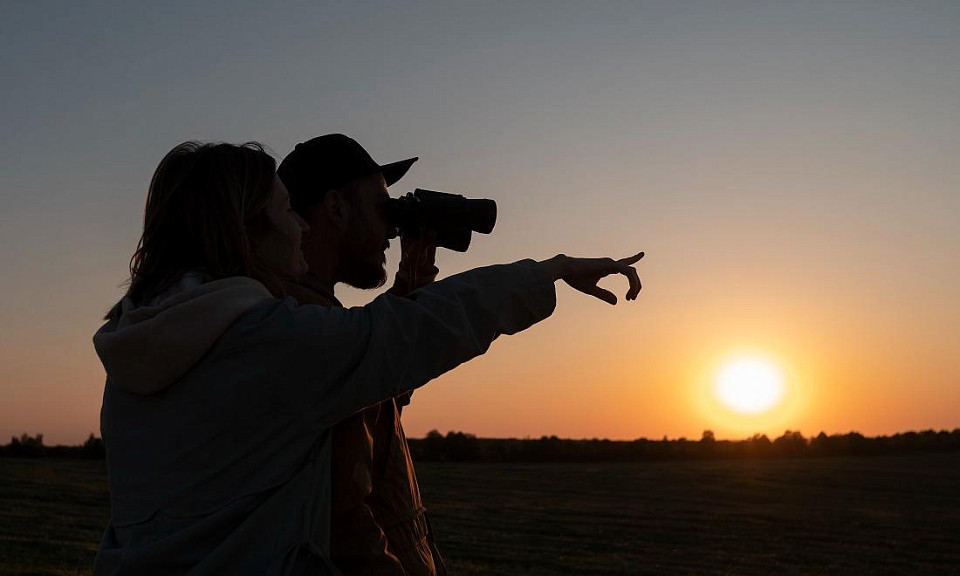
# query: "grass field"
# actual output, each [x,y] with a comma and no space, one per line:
[850,516]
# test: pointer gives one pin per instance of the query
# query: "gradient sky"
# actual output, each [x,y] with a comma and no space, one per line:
[790,168]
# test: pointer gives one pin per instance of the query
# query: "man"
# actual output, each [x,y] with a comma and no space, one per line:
[378,522]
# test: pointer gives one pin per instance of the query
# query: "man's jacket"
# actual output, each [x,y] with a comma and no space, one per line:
[378,522]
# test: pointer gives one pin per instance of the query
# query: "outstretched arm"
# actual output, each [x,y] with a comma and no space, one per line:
[333,362]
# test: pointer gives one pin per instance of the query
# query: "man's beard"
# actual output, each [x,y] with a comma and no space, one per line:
[363,270]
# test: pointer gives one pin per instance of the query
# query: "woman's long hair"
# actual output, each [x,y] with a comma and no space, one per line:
[205,209]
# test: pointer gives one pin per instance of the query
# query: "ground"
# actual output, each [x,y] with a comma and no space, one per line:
[844,516]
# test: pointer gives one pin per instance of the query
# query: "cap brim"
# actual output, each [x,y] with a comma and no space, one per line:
[395,171]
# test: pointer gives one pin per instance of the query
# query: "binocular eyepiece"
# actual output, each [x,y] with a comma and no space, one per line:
[453,217]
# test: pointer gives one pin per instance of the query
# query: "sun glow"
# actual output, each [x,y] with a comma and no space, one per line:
[749,385]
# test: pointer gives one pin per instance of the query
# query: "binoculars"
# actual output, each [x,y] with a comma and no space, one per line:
[453,217]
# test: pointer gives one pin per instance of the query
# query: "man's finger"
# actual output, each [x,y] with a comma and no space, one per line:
[598,292]
[632,259]
[634,279]
[635,285]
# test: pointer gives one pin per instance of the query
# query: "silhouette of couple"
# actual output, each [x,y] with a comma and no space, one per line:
[251,422]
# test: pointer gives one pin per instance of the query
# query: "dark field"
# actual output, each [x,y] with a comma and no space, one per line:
[849,516]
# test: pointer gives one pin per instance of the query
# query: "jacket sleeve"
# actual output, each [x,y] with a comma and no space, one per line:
[331,362]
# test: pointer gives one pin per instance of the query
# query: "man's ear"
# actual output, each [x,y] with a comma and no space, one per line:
[337,208]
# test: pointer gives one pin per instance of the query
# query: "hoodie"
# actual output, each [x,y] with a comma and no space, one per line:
[219,402]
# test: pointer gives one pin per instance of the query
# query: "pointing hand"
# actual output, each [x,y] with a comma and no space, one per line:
[582,274]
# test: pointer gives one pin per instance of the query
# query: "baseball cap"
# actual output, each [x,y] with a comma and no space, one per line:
[330,161]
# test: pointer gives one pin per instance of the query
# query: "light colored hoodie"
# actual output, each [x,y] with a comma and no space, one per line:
[219,400]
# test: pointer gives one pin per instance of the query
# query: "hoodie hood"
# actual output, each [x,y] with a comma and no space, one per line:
[150,347]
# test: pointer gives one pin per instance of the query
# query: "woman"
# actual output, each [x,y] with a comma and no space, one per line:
[220,392]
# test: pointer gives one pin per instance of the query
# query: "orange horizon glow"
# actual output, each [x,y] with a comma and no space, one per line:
[637,370]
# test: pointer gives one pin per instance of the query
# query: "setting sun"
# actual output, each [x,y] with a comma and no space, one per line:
[749,385]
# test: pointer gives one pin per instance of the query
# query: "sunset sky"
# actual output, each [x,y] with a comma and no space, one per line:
[790,168]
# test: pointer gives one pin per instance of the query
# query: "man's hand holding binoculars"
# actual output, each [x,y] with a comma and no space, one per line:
[417,263]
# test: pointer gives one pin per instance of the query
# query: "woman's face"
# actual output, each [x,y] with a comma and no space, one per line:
[279,249]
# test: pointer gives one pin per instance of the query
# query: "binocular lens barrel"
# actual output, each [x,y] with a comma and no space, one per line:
[453,217]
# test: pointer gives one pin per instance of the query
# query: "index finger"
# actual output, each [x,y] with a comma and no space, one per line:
[631,259]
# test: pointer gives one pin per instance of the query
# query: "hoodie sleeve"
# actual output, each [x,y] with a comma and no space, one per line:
[332,362]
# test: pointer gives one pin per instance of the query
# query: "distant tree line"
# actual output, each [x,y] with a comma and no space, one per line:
[463,447]
[27,446]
